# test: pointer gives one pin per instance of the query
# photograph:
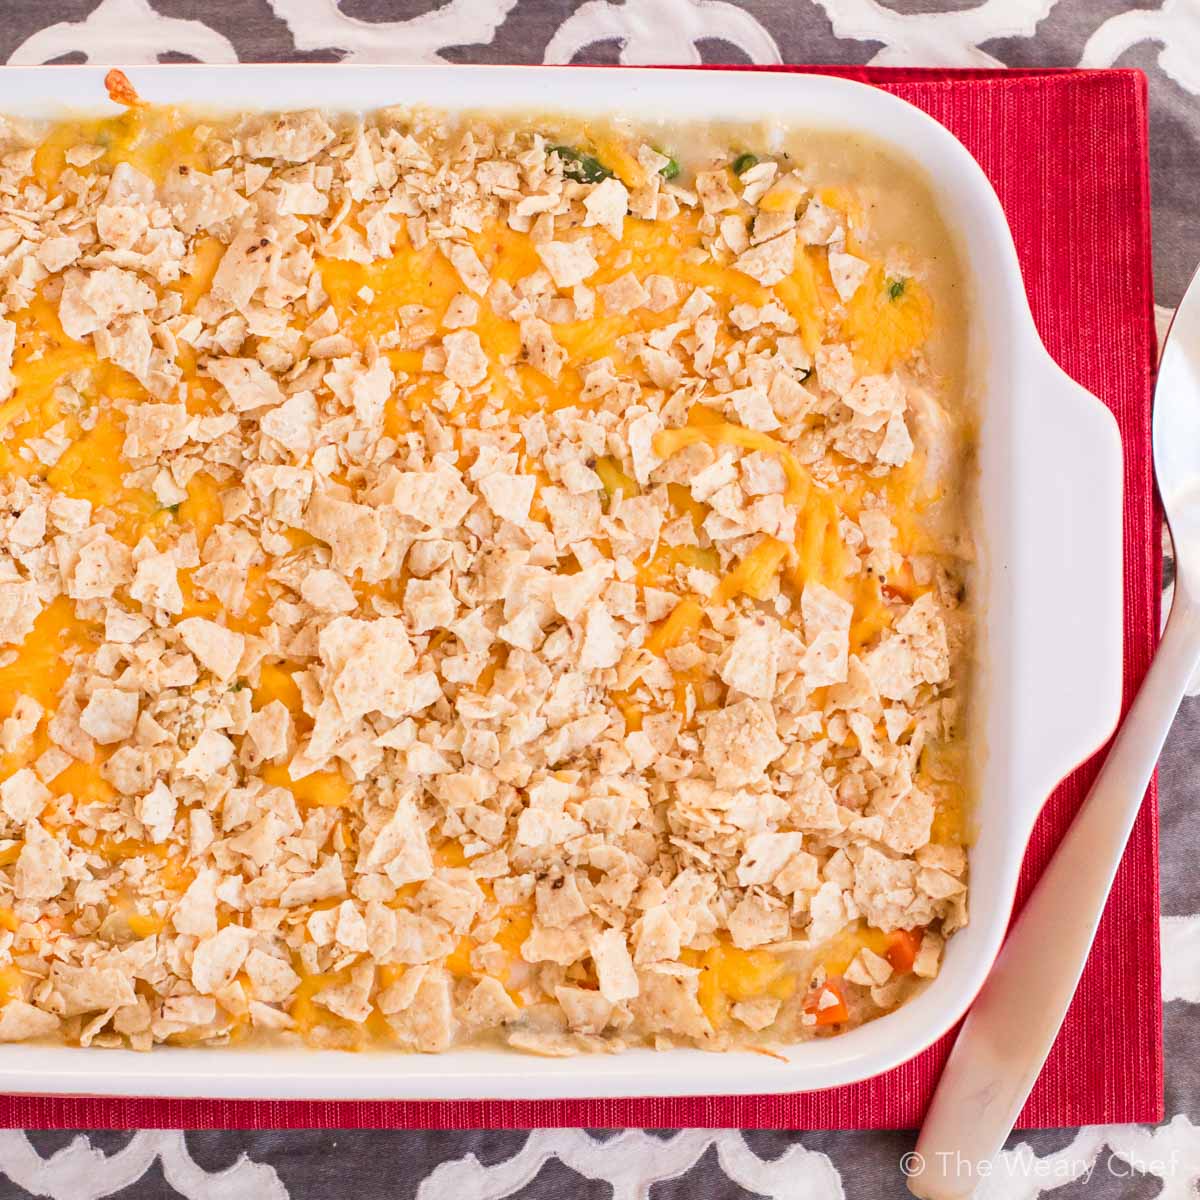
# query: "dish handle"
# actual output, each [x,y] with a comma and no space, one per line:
[1069,595]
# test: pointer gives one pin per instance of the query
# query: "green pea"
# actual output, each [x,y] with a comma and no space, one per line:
[583,168]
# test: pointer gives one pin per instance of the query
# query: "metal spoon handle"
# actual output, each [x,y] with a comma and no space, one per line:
[1014,1021]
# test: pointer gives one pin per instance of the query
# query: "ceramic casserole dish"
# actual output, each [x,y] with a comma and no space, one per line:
[1048,523]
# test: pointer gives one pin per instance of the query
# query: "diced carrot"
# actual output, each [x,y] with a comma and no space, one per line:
[902,948]
[818,1004]
[120,90]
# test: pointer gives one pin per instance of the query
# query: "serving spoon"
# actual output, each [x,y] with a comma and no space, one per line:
[1017,1015]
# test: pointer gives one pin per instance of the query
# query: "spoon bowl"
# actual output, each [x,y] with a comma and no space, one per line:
[1177,439]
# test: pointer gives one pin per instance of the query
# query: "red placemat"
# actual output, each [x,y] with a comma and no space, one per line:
[1066,151]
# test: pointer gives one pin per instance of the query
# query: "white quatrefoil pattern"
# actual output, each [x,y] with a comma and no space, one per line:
[1162,37]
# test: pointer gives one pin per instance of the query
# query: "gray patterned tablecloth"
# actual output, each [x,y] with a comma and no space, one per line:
[1160,36]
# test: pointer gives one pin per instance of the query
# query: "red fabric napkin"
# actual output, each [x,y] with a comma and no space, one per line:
[1067,153]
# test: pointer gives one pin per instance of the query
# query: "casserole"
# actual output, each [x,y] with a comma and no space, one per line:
[1038,432]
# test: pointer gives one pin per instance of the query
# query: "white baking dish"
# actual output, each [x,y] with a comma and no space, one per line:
[1048,691]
